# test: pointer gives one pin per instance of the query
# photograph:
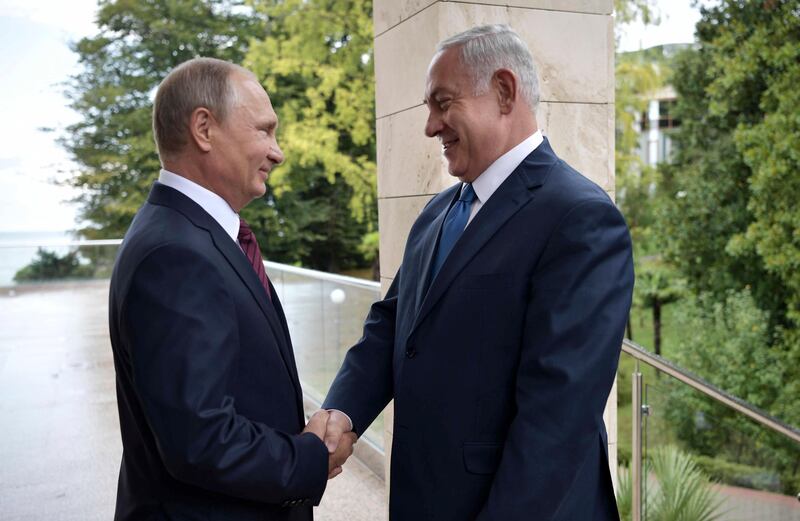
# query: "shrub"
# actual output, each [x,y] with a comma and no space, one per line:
[50,266]
[681,491]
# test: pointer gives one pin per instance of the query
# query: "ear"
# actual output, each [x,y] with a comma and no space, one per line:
[506,85]
[200,123]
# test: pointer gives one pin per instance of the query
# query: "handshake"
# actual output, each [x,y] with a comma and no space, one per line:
[334,429]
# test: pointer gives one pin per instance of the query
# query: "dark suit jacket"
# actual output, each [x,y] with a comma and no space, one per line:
[209,401]
[500,367]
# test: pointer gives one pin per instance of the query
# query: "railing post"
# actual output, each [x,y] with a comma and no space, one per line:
[636,447]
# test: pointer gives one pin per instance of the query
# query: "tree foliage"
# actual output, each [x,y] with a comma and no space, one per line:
[639,75]
[731,223]
[137,44]
[730,344]
[314,57]
[49,265]
[317,60]
[732,220]
[316,63]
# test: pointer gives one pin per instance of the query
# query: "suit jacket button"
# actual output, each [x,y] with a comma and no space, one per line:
[411,352]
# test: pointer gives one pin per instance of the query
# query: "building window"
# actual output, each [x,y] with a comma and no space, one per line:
[665,118]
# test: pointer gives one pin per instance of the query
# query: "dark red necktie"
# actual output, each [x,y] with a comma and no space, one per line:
[247,240]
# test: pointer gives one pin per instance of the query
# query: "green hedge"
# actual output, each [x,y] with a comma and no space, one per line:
[740,475]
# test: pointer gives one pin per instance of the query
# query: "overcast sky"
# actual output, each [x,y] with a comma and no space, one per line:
[36,60]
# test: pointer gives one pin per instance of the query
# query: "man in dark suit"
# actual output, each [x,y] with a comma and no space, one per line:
[210,404]
[500,335]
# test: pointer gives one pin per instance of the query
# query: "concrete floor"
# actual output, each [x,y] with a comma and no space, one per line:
[59,437]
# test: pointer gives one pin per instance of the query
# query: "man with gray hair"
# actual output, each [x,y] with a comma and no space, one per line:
[500,335]
[210,405]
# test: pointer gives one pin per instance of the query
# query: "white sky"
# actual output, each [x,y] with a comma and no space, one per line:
[34,36]
[36,59]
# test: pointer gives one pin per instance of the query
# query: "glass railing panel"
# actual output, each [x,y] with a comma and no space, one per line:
[325,314]
[27,267]
[745,470]
[625,415]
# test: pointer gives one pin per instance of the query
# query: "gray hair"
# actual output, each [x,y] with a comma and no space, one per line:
[200,82]
[488,48]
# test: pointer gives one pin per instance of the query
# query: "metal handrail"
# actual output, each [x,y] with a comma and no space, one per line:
[323,275]
[710,390]
[639,410]
[97,242]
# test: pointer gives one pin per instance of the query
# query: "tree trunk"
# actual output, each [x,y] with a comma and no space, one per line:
[657,326]
[657,330]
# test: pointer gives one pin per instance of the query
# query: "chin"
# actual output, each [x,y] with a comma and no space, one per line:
[455,172]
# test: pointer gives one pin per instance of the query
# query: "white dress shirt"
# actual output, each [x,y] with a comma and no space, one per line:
[212,203]
[491,178]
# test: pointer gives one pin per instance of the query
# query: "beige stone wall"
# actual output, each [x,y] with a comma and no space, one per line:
[572,43]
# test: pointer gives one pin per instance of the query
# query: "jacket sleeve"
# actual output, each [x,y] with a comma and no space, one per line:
[363,386]
[184,348]
[580,295]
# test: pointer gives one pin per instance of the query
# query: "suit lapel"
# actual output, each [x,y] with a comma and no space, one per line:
[427,248]
[166,196]
[515,192]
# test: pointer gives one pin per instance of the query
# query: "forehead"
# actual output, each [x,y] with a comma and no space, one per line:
[445,73]
[252,96]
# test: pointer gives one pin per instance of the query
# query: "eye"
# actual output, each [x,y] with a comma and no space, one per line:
[444,104]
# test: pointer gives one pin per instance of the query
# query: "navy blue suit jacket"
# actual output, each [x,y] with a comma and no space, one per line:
[501,366]
[210,405]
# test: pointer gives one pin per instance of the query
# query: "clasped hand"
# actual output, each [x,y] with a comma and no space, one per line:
[333,428]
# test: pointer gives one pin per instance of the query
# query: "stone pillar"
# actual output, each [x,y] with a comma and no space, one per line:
[572,42]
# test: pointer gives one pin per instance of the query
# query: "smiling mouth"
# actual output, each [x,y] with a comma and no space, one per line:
[447,144]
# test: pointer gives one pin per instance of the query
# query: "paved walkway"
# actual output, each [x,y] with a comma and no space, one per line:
[59,438]
[743,504]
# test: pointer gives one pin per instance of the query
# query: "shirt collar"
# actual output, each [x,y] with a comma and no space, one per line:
[212,203]
[491,179]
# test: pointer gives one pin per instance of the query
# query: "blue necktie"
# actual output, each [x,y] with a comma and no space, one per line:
[454,225]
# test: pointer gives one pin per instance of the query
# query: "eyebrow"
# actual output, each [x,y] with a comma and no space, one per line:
[268,124]
[435,95]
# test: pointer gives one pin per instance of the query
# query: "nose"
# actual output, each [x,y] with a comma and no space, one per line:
[275,154]
[433,125]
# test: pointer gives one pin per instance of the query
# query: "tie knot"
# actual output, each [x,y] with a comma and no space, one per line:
[244,230]
[467,193]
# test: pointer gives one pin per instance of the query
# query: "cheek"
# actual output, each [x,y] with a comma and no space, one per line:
[256,151]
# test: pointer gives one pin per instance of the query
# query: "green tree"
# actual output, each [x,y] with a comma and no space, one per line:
[637,78]
[730,222]
[137,44]
[729,343]
[657,284]
[639,75]
[316,62]
[48,265]
[627,11]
